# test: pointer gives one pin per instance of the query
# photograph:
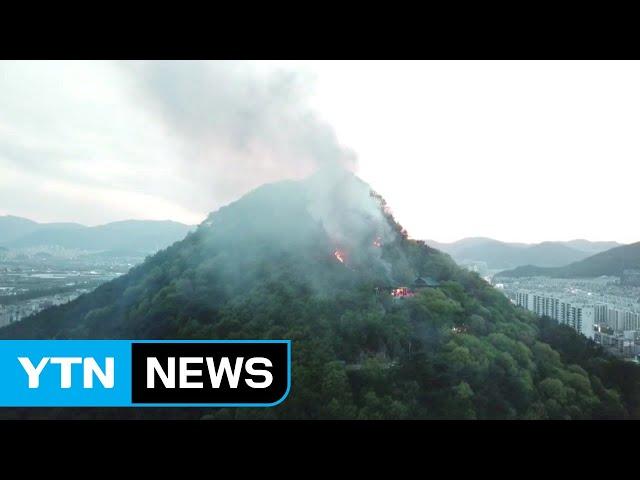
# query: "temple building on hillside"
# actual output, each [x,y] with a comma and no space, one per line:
[419,283]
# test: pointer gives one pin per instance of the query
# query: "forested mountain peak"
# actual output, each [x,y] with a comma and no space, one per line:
[319,262]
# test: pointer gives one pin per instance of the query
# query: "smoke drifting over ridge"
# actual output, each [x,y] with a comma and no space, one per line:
[332,215]
[351,216]
[348,212]
[243,127]
[240,126]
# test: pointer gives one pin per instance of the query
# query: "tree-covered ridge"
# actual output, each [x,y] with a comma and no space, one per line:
[264,267]
[611,262]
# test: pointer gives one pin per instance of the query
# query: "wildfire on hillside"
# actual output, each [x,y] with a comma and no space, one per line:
[377,242]
[402,292]
[339,254]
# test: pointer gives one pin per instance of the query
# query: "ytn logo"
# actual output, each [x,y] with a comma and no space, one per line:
[117,373]
[187,369]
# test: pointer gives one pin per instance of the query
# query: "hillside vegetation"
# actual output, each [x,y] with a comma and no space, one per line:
[313,261]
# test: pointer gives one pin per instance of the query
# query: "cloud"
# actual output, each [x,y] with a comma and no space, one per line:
[240,125]
[73,125]
[152,139]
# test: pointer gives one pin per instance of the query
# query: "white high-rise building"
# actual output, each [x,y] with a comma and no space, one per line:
[578,316]
[621,320]
[524,300]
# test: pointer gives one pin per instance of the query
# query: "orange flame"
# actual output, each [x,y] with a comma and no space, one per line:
[402,292]
[377,242]
[339,255]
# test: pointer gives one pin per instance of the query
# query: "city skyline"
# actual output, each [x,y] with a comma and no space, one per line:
[515,151]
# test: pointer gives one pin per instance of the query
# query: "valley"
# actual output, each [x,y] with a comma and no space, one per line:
[29,285]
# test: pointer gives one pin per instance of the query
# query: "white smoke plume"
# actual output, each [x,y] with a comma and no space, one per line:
[240,126]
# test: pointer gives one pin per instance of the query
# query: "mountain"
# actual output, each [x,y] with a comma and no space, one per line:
[132,236]
[591,247]
[12,228]
[551,254]
[315,261]
[612,262]
[501,255]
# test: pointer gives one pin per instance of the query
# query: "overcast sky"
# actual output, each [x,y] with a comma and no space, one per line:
[518,151]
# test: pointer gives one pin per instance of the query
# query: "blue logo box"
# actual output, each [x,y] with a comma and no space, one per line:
[98,373]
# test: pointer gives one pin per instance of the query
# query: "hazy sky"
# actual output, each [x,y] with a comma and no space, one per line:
[518,151]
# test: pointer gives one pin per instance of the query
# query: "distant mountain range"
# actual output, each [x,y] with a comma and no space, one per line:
[502,255]
[130,236]
[612,262]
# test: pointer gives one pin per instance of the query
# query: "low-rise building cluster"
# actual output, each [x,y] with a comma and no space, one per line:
[16,312]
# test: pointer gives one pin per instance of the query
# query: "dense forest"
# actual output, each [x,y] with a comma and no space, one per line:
[315,262]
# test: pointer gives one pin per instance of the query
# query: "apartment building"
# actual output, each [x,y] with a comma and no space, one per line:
[578,316]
